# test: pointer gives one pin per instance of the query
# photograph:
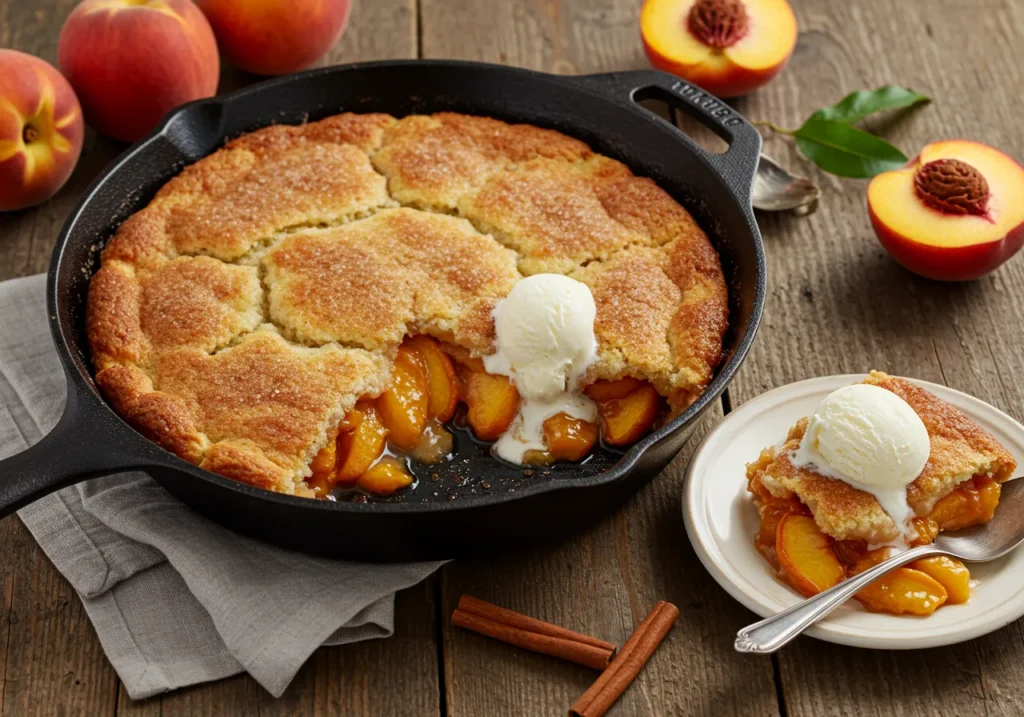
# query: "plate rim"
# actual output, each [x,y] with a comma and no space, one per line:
[824,630]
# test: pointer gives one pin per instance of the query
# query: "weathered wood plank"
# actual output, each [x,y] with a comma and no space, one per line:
[838,304]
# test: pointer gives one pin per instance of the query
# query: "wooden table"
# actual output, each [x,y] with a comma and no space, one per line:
[836,304]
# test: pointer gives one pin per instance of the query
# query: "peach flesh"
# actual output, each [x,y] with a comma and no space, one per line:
[725,50]
[964,236]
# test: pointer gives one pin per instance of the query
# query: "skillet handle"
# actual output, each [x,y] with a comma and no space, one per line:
[82,445]
[738,164]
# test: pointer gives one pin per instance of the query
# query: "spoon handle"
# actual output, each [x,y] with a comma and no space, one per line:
[773,632]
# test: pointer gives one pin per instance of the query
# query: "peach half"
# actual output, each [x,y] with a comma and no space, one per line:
[727,47]
[954,213]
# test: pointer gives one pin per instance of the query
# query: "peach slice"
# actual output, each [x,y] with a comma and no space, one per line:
[973,503]
[442,381]
[904,591]
[493,402]
[950,574]
[386,477]
[403,405]
[324,462]
[953,212]
[359,447]
[806,556]
[727,47]
[568,438]
[607,390]
[927,529]
[627,419]
[773,513]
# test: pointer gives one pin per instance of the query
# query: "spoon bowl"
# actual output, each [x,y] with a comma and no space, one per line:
[776,190]
[978,544]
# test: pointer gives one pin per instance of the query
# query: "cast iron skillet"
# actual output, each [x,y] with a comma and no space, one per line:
[474,504]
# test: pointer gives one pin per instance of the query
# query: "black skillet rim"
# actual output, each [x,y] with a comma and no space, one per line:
[84,384]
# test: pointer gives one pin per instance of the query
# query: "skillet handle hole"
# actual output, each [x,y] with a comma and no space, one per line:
[663,104]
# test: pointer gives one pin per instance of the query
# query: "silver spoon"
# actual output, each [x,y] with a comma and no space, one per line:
[976,545]
[777,190]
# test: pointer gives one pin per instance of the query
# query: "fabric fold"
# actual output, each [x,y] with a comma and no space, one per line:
[175,598]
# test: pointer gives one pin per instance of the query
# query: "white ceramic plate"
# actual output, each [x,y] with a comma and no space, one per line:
[721,522]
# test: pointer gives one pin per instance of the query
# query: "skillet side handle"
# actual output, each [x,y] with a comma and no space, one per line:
[738,164]
[79,447]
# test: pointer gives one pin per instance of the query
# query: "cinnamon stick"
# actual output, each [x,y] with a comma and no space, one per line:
[532,634]
[628,663]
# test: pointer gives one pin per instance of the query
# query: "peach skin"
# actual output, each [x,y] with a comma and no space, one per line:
[727,47]
[275,37]
[954,213]
[40,130]
[132,61]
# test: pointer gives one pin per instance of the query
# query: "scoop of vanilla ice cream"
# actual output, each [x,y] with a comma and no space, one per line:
[544,335]
[867,436]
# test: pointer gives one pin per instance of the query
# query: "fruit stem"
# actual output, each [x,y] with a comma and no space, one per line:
[29,134]
[773,127]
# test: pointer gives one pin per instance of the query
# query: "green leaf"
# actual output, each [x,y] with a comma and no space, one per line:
[858,105]
[847,151]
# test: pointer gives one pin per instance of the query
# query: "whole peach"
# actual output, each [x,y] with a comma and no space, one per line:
[275,37]
[132,61]
[40,130]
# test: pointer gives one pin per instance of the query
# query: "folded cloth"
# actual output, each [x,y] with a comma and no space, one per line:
[175,599]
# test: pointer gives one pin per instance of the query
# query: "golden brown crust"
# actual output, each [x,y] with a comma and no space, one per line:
[280,397]
[246,464]
[295,225]
[960,450]
[161,417]
[199,302]
[657,320]
[370,283]
[432,161]
[112,317]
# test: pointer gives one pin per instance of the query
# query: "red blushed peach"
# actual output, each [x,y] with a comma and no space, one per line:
[727,47]
[132,61]
[275,37]
[955,212]
[40,130]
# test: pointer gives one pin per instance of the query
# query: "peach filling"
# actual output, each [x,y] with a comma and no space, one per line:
[810,561]
[408,420]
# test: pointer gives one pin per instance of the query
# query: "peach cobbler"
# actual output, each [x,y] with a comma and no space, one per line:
[880,466]
[315,307]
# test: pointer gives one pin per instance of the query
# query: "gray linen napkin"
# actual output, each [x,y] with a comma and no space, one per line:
[175,599]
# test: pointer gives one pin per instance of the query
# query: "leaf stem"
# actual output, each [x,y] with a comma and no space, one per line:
[773,127]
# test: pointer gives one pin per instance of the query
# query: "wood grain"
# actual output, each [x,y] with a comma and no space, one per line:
[838,304]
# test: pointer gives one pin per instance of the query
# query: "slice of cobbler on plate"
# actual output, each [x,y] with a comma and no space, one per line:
[879,466]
